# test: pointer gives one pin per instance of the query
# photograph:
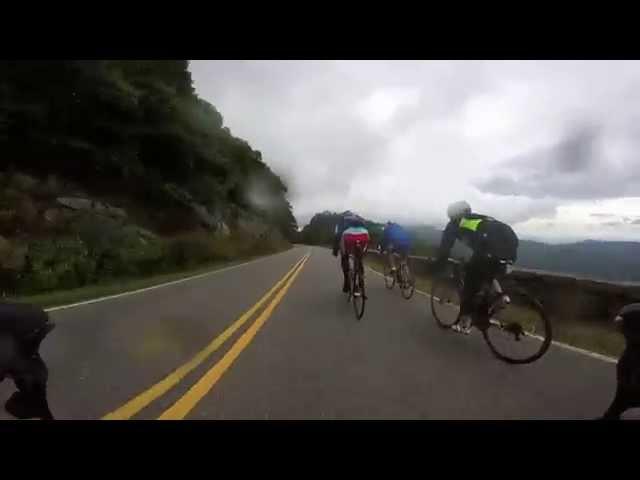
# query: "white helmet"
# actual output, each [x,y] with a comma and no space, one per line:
[458,210]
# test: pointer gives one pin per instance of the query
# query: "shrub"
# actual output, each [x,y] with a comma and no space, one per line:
[27,213]
[191,249]
[23,183]
[60,263]
[51,187]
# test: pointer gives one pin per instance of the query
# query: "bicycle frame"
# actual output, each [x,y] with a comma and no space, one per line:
[487,304]
[491,292]
[356,280]
[355,261]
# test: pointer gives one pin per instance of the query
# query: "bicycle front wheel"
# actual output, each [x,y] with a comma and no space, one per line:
[408,285]
[358,296]
[519,332]
[445,301]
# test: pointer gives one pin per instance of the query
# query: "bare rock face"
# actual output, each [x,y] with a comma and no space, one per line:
[252,225]
[204,216]
[77,203]
[212,221]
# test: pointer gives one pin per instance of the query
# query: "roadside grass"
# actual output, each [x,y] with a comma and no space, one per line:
[590,335]
[122,285]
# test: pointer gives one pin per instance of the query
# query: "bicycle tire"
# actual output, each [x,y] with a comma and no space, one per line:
[441,290]
[389,279]
[358,300]
[408,285]
[545,342]
[350,284]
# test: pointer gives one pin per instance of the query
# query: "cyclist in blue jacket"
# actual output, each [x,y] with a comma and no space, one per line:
[395,239]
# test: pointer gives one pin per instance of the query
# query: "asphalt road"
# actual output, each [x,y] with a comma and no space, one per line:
[301,355]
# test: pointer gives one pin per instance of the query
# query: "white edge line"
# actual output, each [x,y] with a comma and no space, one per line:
[161,285]
[566,346]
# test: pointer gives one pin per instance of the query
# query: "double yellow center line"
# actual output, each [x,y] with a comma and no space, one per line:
[181,408]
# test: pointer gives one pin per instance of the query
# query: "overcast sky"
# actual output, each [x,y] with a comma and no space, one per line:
[551,147]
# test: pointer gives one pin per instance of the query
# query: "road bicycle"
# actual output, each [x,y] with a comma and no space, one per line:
[356,294]
[514,324]
[403,277]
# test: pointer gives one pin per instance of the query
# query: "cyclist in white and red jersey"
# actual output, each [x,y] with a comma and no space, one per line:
[349,231]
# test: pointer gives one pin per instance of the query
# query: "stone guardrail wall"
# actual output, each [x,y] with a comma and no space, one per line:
[563,296]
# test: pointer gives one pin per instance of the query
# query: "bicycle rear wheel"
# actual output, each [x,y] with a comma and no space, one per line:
[445,301]
[389,277]
[519,332]
[358,296]
[408,285]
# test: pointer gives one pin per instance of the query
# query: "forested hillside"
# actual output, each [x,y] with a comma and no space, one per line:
[113,167]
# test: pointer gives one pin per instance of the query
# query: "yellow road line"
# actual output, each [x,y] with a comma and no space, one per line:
[184,405]
[139,402]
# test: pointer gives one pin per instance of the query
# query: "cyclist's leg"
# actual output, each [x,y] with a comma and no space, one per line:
[364,242]
[618,406]
[344,261]
[30,401]
[390,256]
[475,275]
[404,259]
[404,253]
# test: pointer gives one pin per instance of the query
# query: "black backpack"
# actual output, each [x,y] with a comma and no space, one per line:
[498,239]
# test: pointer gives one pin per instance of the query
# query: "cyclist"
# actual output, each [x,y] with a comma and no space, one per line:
[22,328]
[627,393]
[349,230]
[395,239]
[492,242]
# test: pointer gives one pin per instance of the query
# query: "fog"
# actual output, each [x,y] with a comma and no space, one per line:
[548,146]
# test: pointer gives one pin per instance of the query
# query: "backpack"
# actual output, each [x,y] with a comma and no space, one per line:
[498,239]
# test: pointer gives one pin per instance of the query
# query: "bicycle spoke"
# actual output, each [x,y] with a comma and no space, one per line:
[358,287]
[407,286]
[521,332]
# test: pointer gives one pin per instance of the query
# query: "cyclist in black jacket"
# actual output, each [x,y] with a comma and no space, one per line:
[627,393]
[22,329]
[492,243]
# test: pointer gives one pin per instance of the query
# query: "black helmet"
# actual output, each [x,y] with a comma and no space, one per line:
[628,320]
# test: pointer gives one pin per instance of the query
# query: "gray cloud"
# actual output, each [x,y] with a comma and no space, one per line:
[402,139]
[602,215]
[576,167]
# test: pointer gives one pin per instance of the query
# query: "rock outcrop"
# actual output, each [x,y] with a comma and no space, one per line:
[77,203]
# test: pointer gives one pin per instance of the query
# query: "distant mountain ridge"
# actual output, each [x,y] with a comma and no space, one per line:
[596,259]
